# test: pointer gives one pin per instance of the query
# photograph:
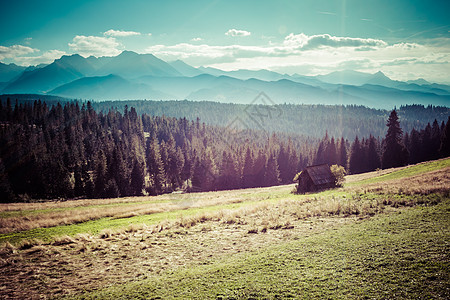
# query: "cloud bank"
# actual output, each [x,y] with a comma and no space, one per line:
[15,51]
[95,45]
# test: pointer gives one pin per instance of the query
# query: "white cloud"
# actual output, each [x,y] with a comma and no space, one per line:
[95,45]
[236,32]
[120,33]
[303,42]
[197,39]
[46,58]
[15,51]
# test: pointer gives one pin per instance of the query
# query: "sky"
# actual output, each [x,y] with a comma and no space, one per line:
[404,39]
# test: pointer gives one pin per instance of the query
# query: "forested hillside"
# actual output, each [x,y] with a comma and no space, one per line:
[308,120]
[72,151]
[64,151]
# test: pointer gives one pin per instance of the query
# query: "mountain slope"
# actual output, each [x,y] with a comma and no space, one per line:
[42,80]
[129,64]
[106,87]
[185,69]
[8,72]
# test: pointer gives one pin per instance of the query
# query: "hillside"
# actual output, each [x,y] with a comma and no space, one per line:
[369,232]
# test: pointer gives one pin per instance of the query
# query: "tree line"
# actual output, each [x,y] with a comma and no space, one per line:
[394,150]
[73,151]
[346,121]
[66,151]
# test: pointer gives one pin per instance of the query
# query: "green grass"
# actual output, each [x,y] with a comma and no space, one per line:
[96,226]
[25,212]
[402,255]
[407,172]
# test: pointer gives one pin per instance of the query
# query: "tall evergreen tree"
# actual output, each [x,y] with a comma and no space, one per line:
[155,168]
[247,171]
[283,164]
[330,151]
[415,147]
[137,179]
[373,158]
[395,154]
[342,157]
[444,149]
[272,174]
[356,157]
[100,175]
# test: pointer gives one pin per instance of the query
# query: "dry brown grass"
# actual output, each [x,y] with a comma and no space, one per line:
[424,184]
[78,211]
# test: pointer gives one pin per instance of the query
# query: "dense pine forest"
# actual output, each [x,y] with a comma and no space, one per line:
[71,150]
[346,121]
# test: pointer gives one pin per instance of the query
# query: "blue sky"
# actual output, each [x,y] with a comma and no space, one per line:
[404,39]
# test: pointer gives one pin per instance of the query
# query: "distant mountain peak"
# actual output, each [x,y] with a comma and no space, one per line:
[128,53]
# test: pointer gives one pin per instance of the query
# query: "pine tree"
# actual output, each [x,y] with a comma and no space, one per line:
[259,169]
[414,147]
[435,140]
[356,158]
[342,159]
[395,154]
[100,175]
[155,168]
[283,164]
[247,172]
[6,194]
[444,149]
[330,153]
[373,158]
[118,170]
[272,174]
[137,179]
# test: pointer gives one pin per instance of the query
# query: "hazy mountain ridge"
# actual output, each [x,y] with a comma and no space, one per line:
[144,76]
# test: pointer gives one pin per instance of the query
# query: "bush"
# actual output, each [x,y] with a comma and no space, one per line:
[339,173]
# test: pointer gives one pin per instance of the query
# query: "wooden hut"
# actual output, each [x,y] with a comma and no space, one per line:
[315,178]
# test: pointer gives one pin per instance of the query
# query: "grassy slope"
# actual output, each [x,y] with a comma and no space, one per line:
[404,255]
[396,255]
[270,195]
[408,172]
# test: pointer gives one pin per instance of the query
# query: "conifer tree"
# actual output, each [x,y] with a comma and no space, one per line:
[100,174]
[137,179]
[155,168]
[414,147]
[356,157]
[259,169]
[272,174]
[444,149]
[330,151]
[395,154]
[373,158]
[342,159]
[283,164]
[247,172]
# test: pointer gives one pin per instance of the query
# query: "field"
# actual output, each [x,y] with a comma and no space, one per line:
[383,235]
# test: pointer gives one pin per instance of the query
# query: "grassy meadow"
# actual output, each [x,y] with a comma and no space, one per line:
[385,234]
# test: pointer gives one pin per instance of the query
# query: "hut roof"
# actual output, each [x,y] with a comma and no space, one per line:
[320,174]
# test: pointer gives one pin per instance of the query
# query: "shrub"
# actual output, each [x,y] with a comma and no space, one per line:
[339,173]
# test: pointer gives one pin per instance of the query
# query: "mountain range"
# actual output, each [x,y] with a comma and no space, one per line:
[144,76]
